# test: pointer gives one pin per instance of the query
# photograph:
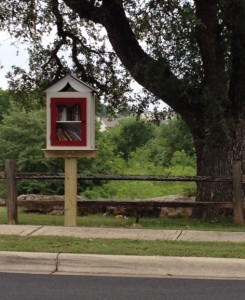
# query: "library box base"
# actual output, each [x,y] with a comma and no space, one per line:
[70,153]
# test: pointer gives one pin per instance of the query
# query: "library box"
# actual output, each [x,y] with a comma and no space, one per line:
[70,115]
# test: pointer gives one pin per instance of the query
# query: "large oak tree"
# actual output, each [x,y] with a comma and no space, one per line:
[189,54]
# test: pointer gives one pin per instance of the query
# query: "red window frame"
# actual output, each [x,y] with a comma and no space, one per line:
[83,122]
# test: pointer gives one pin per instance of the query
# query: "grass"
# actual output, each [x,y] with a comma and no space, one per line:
[128,190]
[57,244]
[122,246]
[174,223]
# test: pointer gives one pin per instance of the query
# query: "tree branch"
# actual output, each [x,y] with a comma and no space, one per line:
[86,9]
[64,34]
[81,69]
[150,73]
[236,24]
[209,39]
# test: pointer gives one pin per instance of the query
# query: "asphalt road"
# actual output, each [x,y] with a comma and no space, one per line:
[52,287]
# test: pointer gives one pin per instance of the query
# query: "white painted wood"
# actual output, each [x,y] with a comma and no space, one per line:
[82,91]
[77,84]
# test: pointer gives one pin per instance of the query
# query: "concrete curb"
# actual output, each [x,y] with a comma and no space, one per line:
[116,265]
[152,266]
[28,262]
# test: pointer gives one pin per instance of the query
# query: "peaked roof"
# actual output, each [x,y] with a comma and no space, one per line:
[71,80]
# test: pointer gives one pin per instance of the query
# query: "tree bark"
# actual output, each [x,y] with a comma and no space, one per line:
[217,158]
[215,161]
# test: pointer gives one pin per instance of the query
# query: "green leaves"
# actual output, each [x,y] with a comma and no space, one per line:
[4,103]
[22,137]
[139,148]
[132,147]
[129,135]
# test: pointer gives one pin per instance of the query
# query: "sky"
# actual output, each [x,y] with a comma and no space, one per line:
[17,55]
[10,55]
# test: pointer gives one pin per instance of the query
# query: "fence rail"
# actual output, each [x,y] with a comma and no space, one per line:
[237,180]
[81,176]
[134,203]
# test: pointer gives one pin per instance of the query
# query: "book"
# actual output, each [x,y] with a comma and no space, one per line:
[68,132]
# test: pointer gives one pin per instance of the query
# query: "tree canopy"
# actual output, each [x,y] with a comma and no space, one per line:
[187,53]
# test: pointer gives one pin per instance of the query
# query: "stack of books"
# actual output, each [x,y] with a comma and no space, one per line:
[68,132]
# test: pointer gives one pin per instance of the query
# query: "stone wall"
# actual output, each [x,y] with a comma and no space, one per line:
[55,205]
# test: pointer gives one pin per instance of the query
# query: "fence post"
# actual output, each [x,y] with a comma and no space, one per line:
[70,192]
[238,193]
[11,188]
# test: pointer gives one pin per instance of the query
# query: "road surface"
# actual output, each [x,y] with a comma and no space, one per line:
[52,287]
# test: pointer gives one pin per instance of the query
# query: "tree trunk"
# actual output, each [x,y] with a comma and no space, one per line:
[215,157]
[214,162]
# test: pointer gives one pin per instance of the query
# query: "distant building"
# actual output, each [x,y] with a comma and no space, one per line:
[164,118]
[107,123]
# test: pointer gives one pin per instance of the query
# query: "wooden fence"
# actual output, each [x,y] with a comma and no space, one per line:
[10,175]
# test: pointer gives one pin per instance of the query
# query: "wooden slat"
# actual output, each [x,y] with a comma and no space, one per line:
[150,204]
[238,195]
[70,153]
[70,192]
[41,176]
[11,189]
[81,176]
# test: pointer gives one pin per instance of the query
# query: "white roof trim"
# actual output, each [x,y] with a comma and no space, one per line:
[77,84]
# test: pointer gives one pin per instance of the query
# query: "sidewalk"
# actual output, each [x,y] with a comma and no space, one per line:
[55,263]
[120,233]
